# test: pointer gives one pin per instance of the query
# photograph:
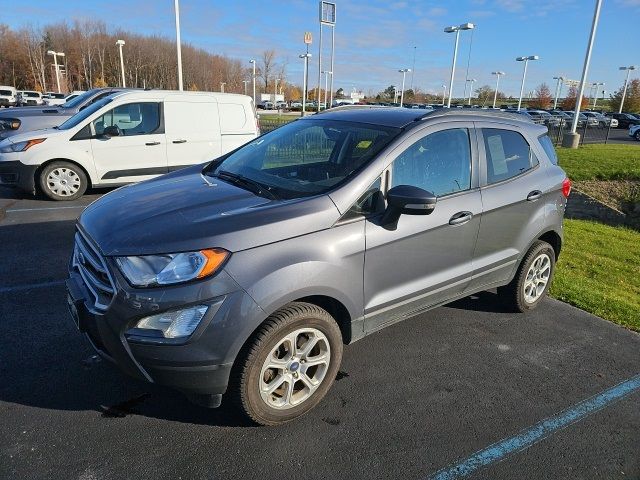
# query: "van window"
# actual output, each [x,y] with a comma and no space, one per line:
[232,117]
[132,119]
[439,163]
[508,154]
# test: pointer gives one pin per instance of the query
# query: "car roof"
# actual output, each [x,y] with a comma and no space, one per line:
[147,94]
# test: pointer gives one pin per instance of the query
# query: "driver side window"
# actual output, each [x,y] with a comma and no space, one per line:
[131,119]
[439,163]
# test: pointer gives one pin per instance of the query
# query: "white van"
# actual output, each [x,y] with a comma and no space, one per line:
[127,137]
[30,97]
[8,96]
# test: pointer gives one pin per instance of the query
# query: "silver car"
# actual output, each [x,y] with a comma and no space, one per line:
[245,276]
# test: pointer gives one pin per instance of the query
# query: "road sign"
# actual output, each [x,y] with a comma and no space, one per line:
[328,13]
[308,38]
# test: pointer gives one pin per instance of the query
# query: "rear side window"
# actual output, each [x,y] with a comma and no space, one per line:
[508,154]
[547,145]
[232,117]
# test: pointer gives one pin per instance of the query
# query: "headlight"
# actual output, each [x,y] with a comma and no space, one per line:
[21,146]
[152,270]
[9,123]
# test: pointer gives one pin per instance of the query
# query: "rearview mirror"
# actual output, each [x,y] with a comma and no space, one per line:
[407,200]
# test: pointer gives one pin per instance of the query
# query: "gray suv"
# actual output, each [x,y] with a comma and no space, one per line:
[245,276]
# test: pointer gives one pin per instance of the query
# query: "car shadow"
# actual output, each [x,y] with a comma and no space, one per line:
[487,301]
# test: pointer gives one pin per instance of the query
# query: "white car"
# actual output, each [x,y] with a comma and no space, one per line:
[51,98]
[30,97]
[8,96]
[127,137]
[634,131]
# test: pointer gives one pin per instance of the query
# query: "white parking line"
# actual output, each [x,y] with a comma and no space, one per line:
[19,288]
[44,208]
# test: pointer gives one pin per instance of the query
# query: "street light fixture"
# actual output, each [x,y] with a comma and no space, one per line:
[471,82]
[56,66]
[626,84]
[305,57]
[253,77]
[120,43]
[456,30]
[498,74]
[403,71]
[559,82]
[444,93]
[524,74]
[595,86]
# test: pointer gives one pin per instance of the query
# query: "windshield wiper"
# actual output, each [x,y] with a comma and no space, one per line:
[249,184]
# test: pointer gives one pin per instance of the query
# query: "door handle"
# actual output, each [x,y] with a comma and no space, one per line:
[179,141]
[460,218]
[535,195]
[150,144]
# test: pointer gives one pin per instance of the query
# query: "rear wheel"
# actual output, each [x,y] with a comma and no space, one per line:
[63,181]
[533,278]
[637,135]
[288,366]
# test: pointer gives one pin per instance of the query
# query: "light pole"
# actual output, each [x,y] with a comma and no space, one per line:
[595,92]
[456,30]
[403,71]
[326,85]
[120,43]
[275,91]
[471,81]
[524,74]
[177,9]
[245,85]
[498,74]
[253,77]
[305,57]
[222,84]
[559,81]
[55,64]
[444,93]
[626,84]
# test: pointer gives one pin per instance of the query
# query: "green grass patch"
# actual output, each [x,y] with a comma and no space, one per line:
[601,162]
[599,271]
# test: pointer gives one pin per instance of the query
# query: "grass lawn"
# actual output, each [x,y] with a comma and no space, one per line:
[601,162]
[599,271]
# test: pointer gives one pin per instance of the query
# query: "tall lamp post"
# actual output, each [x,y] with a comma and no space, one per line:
[120,43]
[326,85]
[253,78]
[471,82]
[245,85]
[275,90]
[444,93]
[403,71]
[178,45]
[595,91]
[305,57]
[626,84]
[456,30]
[498,74]
[56,66]
[559,81]
[222,84]
[524,74]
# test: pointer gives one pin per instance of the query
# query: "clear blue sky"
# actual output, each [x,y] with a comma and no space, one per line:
[375,38]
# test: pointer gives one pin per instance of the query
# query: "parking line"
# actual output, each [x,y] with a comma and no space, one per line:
[44,208]
[530,436]
[31,286]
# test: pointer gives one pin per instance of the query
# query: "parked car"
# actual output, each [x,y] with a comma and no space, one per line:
[60,98]
[246,275]
[540,116]
[266,105]
[127,137]
[634,131]
[8,96]
[625,120]
[19,120]
[29,97]
[297,104]
[603,120]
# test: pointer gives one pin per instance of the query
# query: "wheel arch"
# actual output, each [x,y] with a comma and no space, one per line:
[554,239]
[43,165]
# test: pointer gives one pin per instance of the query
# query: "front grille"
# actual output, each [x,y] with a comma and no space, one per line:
[93,270]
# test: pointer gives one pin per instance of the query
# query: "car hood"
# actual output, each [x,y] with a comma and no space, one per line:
[41,133]
[185,211]
[42,111]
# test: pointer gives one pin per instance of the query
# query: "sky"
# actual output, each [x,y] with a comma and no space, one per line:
[376,38]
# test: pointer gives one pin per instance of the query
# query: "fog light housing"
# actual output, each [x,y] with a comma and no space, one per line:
[175,324]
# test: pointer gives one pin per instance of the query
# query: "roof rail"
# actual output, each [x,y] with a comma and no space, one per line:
[493,113]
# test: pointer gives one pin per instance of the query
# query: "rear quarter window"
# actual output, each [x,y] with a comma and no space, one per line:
[547,145]
[232,117]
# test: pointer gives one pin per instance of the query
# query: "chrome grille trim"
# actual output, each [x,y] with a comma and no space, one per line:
[88,262]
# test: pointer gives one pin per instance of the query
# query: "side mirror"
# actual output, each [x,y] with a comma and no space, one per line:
[111,131]
[408,200]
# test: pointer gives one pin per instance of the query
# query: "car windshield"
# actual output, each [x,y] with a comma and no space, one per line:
[83,114]
[303,158]
[79,100]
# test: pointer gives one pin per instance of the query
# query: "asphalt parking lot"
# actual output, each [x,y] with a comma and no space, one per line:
[466,389]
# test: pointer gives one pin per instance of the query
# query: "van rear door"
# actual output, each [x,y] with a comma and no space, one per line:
[237,122]
[193,130]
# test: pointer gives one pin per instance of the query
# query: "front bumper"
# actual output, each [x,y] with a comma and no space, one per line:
[14,173]
[198,366]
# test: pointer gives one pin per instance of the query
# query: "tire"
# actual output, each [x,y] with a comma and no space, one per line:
[291,380]
[521,294]
[63,181]
[637,135]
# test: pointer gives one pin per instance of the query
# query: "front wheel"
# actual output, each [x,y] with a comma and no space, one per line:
[63,181]
[533,278]
[288,366]
[637,135]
